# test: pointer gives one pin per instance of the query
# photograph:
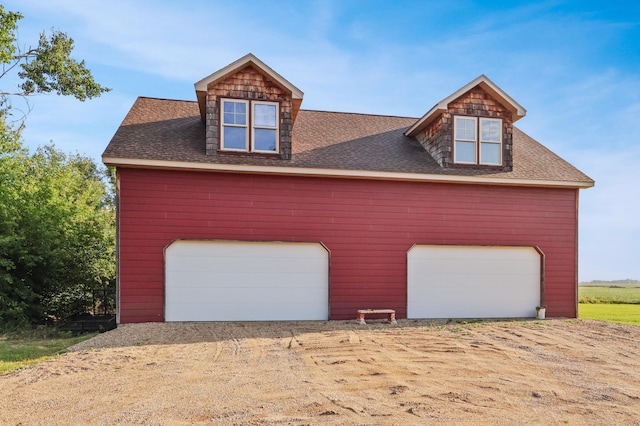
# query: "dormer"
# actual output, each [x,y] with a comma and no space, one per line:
[248,109]
[472,127]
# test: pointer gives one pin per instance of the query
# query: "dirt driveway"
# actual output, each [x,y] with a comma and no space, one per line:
[418,372]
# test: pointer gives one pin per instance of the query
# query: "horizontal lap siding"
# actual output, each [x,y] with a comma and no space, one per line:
[368,226]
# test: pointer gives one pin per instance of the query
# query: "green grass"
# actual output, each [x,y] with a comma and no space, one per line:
[624,313]
[22,349]
[613,303]
[609,294]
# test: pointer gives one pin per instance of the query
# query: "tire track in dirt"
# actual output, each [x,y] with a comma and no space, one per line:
[419,372]
[484,369]
[372,366]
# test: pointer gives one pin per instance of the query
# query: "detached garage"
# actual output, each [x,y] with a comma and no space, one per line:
[472,281]
[212,193]
[246,281]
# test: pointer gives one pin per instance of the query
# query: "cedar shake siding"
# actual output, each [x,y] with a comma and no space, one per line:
[437,138]
[368,226]
[247,84]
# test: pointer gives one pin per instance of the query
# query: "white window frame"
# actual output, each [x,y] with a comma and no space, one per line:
[249,126]
[245,126]
[254,126]
[456,139]
[478,141]
[484,142]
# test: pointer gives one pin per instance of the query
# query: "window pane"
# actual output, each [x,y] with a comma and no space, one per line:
[234,137]
[490,130]
[264,115]
[228,106]
[465,152]
[465,128]
[490,153]
[265,140]
[234,112]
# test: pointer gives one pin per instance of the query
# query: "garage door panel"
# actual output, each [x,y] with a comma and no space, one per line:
[473,296]
[241,279]
[472,281]
[282,308]
[246,281]
[221,295]
[479,281]
[239,264]
[244,249]
[236,312]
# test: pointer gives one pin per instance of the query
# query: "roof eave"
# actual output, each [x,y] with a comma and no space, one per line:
[426,119]
[343,173]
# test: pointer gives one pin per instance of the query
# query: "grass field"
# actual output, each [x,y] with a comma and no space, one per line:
[19,350]
[610,303]
[628,314]
[609,294]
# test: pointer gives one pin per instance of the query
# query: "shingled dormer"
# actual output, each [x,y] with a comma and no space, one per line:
[248,109]
[472,127]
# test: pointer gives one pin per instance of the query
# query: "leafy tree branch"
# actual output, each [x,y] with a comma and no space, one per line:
[46,68]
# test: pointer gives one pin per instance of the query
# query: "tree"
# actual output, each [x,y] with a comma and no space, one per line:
[58,234]
[45,68]
[57,215]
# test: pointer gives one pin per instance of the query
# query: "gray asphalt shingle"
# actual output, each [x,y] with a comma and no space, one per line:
[171,130]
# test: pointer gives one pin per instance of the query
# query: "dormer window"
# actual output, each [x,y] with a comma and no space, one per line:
[249,126]
[478,140]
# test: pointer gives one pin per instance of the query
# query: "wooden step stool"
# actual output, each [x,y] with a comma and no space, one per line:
[390,312]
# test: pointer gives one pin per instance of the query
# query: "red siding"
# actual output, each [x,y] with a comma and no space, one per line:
[368,226]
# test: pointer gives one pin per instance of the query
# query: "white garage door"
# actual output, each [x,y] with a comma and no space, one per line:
[246,281]
[472,282]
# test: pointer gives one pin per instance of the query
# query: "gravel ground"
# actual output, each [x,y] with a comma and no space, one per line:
[418,372]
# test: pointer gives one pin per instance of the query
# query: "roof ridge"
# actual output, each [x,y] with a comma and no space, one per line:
[165,99]
[359,113]
[301,109]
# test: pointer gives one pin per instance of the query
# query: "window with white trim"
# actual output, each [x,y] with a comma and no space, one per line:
[477,140]
[249,126]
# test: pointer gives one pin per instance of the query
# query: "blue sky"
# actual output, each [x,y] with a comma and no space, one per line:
[574,65]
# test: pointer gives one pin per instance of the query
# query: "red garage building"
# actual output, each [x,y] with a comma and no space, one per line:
[242,206]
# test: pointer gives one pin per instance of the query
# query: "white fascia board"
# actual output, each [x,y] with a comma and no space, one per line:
[487,85]
[423,120]
[201,86]
[338,173]
[492,88]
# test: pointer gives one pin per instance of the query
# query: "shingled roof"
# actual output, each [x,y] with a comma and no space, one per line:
[162,133]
